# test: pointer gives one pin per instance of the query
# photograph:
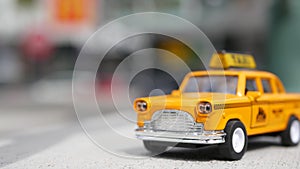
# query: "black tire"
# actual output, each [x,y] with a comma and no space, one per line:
[227,150]
[287,137]
[154,147]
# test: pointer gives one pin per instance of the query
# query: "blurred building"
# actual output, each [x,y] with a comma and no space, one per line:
[46,35]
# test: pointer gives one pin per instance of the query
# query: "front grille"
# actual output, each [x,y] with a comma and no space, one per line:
[174,120]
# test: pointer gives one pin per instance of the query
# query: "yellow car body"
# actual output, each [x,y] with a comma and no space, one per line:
[257,99]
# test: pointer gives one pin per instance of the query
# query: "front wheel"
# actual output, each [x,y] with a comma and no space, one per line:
[236,141]
[291,135]
[154,147]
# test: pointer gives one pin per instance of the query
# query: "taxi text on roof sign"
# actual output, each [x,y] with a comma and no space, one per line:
[224,60]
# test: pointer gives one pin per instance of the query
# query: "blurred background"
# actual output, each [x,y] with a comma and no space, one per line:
[40,41]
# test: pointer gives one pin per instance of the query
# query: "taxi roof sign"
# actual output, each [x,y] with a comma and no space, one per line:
[224,60]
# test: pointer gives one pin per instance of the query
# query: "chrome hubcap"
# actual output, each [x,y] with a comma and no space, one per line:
[295,131]
[238,140]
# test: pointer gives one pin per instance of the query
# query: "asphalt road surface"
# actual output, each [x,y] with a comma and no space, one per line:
[33,136]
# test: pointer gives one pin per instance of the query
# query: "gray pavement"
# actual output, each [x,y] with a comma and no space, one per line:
[51,137]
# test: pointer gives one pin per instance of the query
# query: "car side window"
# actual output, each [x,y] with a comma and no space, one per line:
[266,85]
[251,85]
[278,87]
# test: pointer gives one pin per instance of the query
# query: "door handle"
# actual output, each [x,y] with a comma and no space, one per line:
[275,111]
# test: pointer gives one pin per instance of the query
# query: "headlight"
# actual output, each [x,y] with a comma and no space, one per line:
[141,106]
[204,107]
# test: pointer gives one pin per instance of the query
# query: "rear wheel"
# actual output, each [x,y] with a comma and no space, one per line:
[154,147]
[291,135]
[236,141]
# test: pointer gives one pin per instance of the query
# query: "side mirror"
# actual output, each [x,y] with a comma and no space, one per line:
[253,94]
[176,93]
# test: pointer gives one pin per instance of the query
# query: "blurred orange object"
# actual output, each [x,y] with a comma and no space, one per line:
[72,10]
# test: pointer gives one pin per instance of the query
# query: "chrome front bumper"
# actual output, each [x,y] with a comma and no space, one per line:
[204,137]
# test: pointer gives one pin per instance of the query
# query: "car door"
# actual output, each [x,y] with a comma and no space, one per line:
[260,106]
[276,106]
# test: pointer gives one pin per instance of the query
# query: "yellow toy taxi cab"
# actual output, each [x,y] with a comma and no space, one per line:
[223,106]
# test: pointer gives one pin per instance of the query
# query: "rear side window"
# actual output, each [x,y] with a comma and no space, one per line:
[266,85]
[279,90]
[251,85]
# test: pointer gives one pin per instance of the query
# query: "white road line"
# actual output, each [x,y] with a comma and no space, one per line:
[5,142]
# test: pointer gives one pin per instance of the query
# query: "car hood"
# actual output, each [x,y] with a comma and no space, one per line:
[187,99]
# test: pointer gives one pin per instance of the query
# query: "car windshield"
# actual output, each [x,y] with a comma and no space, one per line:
[216,84]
